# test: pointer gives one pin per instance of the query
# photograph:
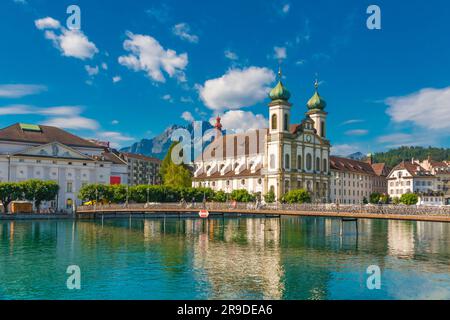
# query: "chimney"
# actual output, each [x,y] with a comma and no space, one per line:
[218,127]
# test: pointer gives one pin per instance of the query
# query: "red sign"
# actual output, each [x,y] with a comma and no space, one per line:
[114,180]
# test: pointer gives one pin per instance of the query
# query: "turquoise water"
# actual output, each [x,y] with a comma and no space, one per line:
[232,258]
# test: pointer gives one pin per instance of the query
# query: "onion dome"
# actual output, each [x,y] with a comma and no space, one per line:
[316,101]
[279,92]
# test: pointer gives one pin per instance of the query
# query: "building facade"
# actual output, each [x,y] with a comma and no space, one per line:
[429,179]
[281,158]
[142,169]
[49,153]
[352,181]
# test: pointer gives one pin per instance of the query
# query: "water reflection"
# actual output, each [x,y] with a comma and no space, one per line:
[233,258]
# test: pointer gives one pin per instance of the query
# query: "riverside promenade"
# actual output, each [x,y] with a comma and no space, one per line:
[398,212]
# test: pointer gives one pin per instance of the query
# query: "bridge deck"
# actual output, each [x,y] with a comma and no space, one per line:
[149,212]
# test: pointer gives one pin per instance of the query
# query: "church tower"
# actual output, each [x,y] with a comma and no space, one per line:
[278,145]
[279,108]
[316,106]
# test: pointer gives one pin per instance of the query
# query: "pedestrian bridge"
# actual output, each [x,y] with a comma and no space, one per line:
[417,213]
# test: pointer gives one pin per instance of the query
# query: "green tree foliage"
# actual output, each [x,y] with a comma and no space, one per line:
[409,199]
[375,198]
[395,156]
[297,196]
[221,196]
[396,200]
[9,192]
[269,197]
[242,195]
[174,175]
[38,191]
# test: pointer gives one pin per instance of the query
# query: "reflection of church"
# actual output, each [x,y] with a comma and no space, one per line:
[285,156]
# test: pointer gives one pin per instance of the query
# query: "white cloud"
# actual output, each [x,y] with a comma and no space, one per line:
[186,100]
[47,23]
[15,110]
[21,1]
[239,120]
[280,53]
[116,139]
[20,90]
[167,97]
[351,121]
[74,122]
[71,43]
[104,66]
[116,79]
[231,55]
[187,116]
[114,122]
[50,111]
[357,132]
[146,54]
[300,62]
[237,88]
[183,31]
[428,108]
[286,8]
[92,71]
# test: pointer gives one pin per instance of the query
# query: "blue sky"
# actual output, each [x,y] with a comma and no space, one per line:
[136,67]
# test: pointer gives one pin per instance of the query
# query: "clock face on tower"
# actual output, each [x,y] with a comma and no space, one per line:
[308,138]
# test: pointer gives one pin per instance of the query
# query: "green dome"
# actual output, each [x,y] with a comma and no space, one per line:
[316,101]
[279,92]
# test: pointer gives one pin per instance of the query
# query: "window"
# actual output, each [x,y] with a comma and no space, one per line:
[287,160]
[243,182]
[286,122]
[325,166]
[317,164]
[274,122]
[299,162]
[69,187]
[308,161]
[322,129]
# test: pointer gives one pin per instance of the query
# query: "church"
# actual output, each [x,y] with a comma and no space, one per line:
[283,157]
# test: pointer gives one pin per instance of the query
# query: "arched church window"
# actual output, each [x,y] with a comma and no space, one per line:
[308,161]
[325,165]
[286,122]
[317,164]
[287,160]
[274,122]
[299,162]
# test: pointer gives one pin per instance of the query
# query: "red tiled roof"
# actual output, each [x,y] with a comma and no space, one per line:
[344,164]
[47,134]
[380,169]
[141,157]
[414,169]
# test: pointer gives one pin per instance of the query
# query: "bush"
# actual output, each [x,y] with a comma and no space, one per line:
[396,200]
[269,197]
[242,195]
[297,196]
[221,196]
[409,199]
[375,198]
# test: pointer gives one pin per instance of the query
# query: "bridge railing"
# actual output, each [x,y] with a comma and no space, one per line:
[333,208]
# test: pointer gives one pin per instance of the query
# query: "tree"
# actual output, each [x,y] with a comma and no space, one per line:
[375,198]
[9,192]
[177,176]
[242,195]
[39,191]
[409,199]
[220,196]
[396,200]
[269,197]
[297,196]
[174,175]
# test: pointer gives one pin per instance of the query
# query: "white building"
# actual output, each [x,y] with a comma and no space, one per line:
[49,153]
[281,158]
[411,177]
[353,180]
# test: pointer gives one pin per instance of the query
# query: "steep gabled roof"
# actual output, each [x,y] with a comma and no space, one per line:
[354,166]
[42,135]
[413,169]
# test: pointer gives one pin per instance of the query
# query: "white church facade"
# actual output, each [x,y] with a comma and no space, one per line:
[283,157]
